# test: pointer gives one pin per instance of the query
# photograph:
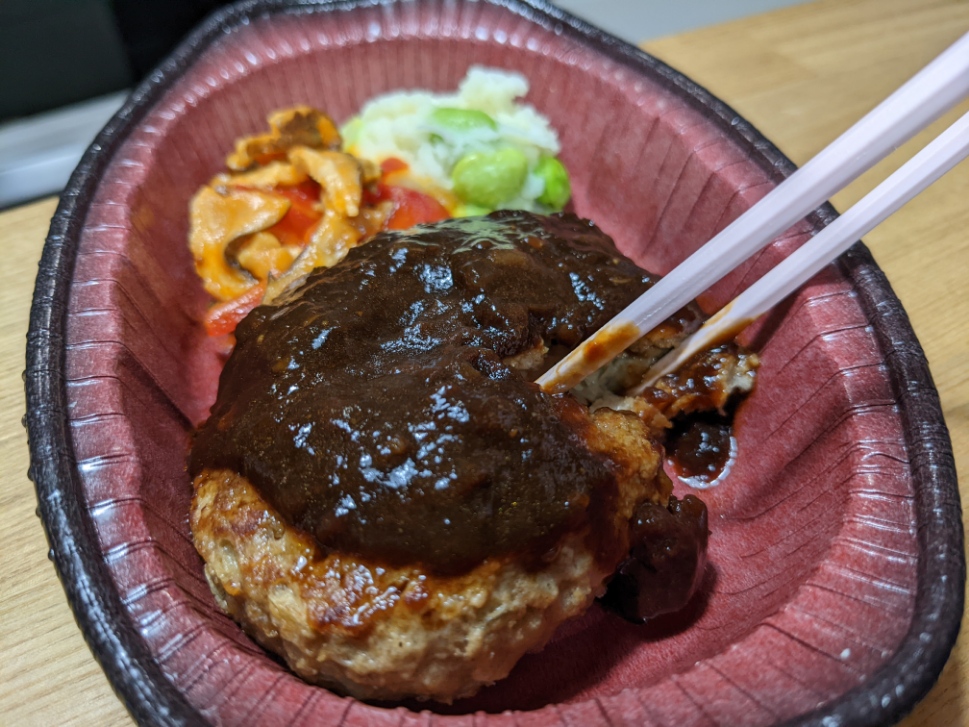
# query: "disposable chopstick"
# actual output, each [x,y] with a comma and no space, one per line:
[925,97]
[947,150]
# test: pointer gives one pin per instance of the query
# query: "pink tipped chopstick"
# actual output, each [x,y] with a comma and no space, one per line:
[925,97]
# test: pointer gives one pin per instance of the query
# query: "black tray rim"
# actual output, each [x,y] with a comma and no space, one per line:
[890,693]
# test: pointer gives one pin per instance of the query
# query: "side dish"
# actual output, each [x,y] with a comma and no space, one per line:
[301,195]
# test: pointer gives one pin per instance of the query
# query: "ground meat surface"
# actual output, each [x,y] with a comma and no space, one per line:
[378,632]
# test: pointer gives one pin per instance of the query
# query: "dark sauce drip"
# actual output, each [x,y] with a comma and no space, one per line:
[377,409]
[698,446]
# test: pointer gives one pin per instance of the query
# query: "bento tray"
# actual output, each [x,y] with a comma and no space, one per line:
[836,543]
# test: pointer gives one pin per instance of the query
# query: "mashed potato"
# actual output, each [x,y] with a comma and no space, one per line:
[404,126]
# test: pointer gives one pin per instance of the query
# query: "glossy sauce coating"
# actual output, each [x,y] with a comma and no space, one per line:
[665,566]
[699,446]
[386,407]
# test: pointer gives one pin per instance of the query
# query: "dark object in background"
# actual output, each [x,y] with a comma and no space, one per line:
[151,28]
[666,562]
[58,52]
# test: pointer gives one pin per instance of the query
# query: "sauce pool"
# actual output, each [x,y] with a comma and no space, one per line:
[700,449]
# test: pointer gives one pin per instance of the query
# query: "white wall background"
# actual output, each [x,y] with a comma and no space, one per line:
[639,20]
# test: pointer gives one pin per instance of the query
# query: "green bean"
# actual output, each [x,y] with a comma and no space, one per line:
[490,178]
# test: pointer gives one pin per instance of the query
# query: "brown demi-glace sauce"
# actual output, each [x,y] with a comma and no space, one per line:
[377,409]
[698,447]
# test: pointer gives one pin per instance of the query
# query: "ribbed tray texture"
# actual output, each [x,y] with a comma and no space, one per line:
[813,538]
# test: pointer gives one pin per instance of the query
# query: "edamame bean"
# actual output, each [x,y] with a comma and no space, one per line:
[558,189]
[466,209]
[490,178]
[462,119]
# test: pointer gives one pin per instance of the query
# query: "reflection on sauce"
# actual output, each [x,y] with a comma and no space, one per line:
[700,448]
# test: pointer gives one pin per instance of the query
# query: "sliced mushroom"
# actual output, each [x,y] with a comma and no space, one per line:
[339,175]
[333,239]
[218,219]
[274,174]
[264,256]
[298,126]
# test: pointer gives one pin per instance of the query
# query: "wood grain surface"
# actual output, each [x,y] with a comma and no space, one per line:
[801,75]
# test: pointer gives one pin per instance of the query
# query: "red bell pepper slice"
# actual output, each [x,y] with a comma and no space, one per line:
[410,206]
[222,318]
[297,225]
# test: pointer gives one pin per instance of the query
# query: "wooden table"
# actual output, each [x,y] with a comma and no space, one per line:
[801,75]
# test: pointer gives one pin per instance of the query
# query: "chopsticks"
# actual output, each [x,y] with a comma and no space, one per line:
[947,150]
[925,97]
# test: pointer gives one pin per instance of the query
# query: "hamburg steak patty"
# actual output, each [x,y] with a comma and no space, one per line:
[384,497]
